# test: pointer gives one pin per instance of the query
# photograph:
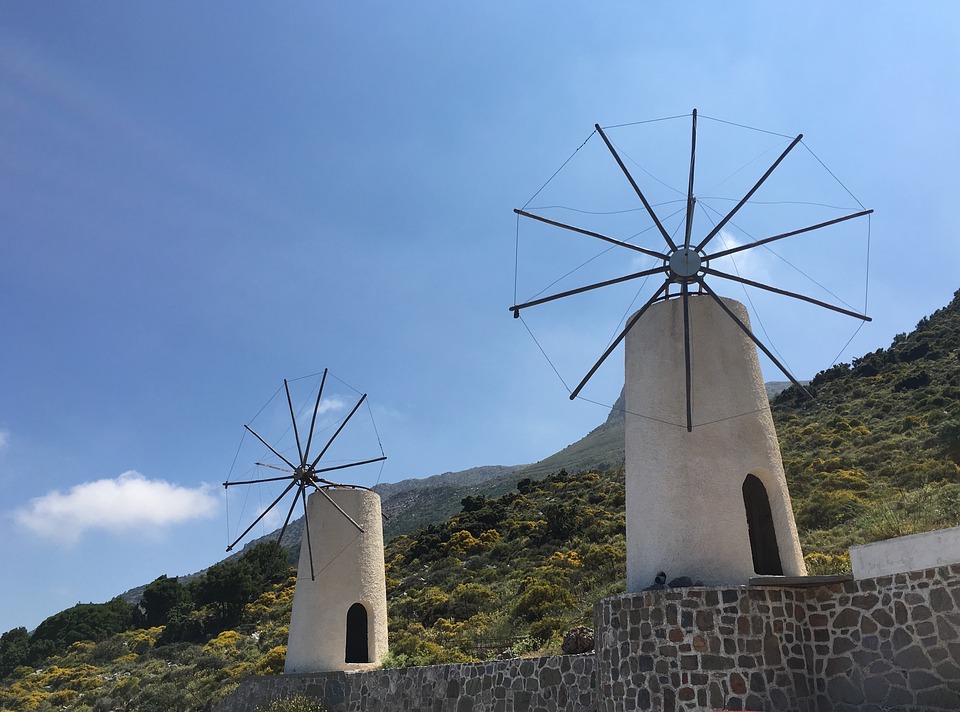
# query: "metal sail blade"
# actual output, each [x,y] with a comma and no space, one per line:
[746,330]
[579,290]
[270,447]
[293,419]
[743,201]
[636,188]
[334,436]
[341,510]
[313,420]
[286,521]
[616,342]
[262,515]
[351,464]
[255,482]
[690,198]
[273,467]
[589,233]
[686,351]
[306,527]
[784,292]
[767,240]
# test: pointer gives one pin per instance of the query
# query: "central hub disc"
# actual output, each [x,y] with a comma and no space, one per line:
[685,262]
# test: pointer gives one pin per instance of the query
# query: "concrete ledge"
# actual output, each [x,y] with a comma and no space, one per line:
[906,553]
[799,581]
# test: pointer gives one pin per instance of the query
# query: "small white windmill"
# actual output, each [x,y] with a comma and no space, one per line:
[339,619]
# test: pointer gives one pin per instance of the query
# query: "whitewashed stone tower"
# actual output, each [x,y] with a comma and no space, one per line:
[711,504]
[339,619]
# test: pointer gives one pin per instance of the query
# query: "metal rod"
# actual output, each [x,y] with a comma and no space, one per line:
[690,198]
[633,320]
[254,482]
[286,521]
[766,240]
[292,466]
[352,464]
[334,437]
[784,292]
[293,418]
[636,188]
[313,421]
[720,225]
[686,351]
[746,330]
[645,273]
[306,526]
[272,467]
[589,233]
[340,509]
[262,515]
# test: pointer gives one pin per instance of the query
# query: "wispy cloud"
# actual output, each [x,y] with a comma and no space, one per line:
[332,405]
[130,501]
[753,263]
[4,440]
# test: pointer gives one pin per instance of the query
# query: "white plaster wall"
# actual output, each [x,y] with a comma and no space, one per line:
[685,511]
[906,553]
[349,569]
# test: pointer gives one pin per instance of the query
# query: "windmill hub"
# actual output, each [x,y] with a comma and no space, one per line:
[684,263]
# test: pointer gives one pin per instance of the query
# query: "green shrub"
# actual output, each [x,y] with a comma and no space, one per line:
[296,703]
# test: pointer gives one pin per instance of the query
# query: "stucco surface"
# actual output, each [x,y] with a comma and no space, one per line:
[349,568]
[685,509]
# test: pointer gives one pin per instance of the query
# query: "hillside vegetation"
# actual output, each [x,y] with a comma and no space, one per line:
[515,564]
[875,454]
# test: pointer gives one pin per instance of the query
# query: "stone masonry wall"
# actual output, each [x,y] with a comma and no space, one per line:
[889,644]
[563,683]
[704,648]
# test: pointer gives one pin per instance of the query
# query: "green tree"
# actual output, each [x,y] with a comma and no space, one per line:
[159,600]
[269,562]
[14,650]
[226,588]
[84,621]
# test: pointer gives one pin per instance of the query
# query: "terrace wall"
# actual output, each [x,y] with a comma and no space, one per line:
[875,645]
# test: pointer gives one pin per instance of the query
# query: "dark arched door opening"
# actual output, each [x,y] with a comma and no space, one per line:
[357,651]
[763,535]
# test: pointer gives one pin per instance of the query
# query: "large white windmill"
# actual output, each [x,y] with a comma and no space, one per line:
[706,494]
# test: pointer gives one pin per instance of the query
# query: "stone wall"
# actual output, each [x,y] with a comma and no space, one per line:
[886,644]
[889,644]
[704,648]
[563,683]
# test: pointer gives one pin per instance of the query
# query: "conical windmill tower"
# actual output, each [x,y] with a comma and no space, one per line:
[706,494]
[339,618]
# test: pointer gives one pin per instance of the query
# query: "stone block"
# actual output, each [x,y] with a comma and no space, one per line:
[716,662]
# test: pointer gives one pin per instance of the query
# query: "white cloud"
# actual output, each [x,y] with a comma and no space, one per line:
[4,440]
[126,503]
[751,264]
[333,404]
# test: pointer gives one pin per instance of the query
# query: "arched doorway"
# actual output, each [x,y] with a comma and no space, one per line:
[763,535]
[357,650]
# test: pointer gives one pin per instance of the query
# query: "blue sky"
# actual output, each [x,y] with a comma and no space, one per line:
[198,200]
